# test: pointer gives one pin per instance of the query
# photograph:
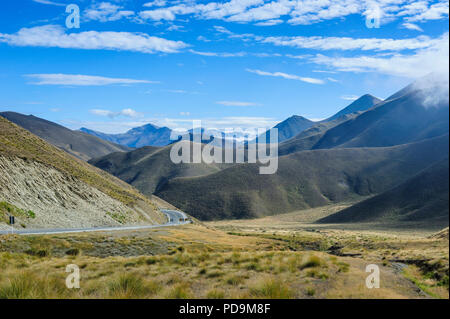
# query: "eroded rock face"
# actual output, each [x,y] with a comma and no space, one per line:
[57,199]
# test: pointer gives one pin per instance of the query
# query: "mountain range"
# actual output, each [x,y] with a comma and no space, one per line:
[151,135]
[146,135]
[394,151]
[365,151]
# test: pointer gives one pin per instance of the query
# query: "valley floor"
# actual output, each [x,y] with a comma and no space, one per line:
[233,259]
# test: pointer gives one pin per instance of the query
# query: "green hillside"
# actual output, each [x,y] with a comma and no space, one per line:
[149,168]
[422,197]
[397,121]
[304,179]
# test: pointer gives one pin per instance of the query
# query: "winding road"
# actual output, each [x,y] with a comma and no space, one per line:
[174,217]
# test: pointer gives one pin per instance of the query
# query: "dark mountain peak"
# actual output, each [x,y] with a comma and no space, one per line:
[290,127]
[144,128]
[145,135]
[295,119]
[363,103]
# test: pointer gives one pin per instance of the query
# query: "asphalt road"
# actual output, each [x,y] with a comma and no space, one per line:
[175,218]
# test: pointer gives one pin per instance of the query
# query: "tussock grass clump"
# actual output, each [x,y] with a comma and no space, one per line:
[312,261]
[234,280]
[38,252]
[27,285]
[310,291]
[236,258]
[314,273]
[21,286]
[215,274]
[343,267]
[151,261]
[183,259]
[215,294]
[179,291]
[132,286]
[272,289]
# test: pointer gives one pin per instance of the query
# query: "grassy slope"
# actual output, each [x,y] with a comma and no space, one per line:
[308,138]
[398,120]
[79,144]
[149,168]
[304,179]
[16,141]
[424,196]
[202,262]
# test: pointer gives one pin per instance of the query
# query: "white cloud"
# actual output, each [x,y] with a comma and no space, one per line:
[337,43]
[125,112]
[287,76]
[156,3]
[422,12]
[105,11]
[219,54]
[270,12]
[346,43]
[269,22]
[55,36]
[332,79]
[324,71]
[50,3]
[79,80]
[299,57]
[235,54]
[175,27]
[221,29]
[157,15]
[237,103]
[412,26]
[417,64]
[202,38]
[349,97]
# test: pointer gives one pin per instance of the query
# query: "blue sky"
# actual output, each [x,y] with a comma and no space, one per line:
[246,63]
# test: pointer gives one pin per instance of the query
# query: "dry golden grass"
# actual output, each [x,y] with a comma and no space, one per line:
[194,261]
